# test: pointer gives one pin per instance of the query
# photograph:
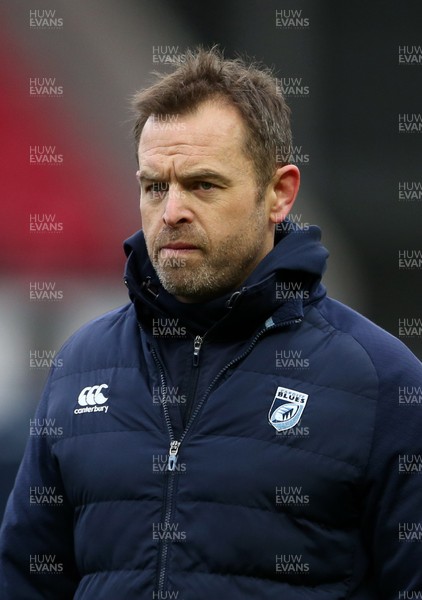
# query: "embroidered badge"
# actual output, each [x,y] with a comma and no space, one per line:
[287,408]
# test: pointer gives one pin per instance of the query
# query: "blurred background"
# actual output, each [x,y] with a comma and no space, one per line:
[352,75]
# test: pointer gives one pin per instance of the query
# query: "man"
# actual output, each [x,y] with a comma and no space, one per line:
[232,432]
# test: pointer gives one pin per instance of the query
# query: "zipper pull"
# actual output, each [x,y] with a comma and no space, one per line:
[197,343]
[174,449]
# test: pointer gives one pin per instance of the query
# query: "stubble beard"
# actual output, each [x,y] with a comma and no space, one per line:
[217,271]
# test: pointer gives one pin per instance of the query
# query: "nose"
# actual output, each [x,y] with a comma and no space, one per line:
[176,210]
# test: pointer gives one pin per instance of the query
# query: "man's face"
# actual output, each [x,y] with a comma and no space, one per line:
[205,226]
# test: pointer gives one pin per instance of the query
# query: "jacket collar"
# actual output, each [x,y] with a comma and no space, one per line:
[285,280]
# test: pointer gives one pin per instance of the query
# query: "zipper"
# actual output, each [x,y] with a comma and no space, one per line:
[173,450]
[175,444]
[197,344]
[193,380]
[172,458]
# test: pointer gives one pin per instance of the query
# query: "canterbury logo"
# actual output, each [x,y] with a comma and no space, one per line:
[92,399]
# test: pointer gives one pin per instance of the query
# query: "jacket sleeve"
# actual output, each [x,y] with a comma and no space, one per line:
[36,539]
[392,522]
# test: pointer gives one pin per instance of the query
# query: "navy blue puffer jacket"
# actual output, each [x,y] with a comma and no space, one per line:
[262,445]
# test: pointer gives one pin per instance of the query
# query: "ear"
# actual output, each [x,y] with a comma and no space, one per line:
[283,190]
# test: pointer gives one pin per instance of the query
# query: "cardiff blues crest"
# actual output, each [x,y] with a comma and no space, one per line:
[287,408]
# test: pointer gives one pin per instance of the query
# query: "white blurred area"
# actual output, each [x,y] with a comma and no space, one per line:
[41,326]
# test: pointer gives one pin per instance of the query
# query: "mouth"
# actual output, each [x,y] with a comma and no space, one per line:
[177,247]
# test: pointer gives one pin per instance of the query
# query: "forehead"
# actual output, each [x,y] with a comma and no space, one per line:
[215,132]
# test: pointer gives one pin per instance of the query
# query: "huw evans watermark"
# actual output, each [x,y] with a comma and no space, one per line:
[410,395]
[45,19]
[292,87]
[410,55]
[45,496]
[167,55]
[45,223]
[291,564]
[45,156]
[45,87]
[44,291]
[410,123]
[410,191]
[44,564]
[291,19]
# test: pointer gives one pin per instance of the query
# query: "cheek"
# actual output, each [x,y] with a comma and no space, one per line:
[145,221]
[148,216]
[151,223]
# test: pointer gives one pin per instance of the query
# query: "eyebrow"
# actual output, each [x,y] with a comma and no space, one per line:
[187,175]
[204,174]
[145,174]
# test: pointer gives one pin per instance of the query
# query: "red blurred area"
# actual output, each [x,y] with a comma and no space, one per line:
[77,192]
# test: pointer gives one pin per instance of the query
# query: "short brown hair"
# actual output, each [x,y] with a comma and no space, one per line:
[207,75]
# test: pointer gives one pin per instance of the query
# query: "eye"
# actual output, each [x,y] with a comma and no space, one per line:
[205,186]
